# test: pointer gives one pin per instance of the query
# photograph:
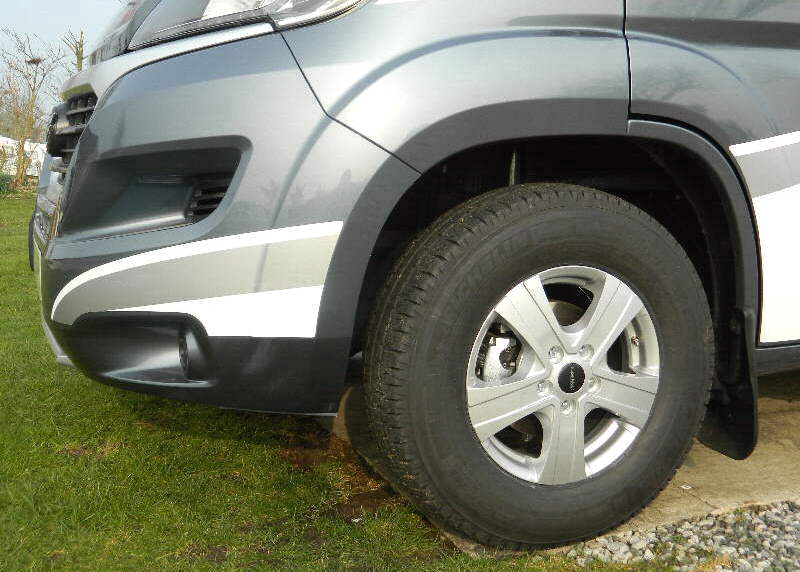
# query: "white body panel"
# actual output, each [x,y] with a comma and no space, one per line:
[773,177]
[779,231]
[277,314]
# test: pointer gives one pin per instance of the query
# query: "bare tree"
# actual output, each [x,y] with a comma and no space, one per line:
[29,67]
[76,44]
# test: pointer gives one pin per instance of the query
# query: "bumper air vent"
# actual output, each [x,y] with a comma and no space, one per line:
[207,195]
[134,193]
[66,128]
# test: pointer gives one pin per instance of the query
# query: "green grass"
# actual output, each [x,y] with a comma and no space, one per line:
[96,479]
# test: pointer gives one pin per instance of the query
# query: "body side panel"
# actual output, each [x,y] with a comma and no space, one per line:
[731,70]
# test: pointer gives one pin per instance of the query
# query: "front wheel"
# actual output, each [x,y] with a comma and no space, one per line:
[538,364]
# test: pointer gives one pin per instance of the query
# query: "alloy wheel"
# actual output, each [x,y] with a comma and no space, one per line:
[563,375]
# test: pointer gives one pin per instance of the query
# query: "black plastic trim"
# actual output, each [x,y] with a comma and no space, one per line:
[272,375]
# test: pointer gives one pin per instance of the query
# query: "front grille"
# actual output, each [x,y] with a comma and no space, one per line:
[206,197]
[68,123]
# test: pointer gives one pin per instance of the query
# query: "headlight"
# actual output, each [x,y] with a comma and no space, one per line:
[117,36]
[174,19]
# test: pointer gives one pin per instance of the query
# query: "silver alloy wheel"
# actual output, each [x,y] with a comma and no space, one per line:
[555,398]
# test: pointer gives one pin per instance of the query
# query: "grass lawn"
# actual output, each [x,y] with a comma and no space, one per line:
[93,478]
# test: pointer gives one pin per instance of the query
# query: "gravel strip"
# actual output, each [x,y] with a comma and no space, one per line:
[764,539]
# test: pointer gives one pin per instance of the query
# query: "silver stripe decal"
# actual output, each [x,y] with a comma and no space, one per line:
[752,147]
[766,173]
[276,314]
[194,249]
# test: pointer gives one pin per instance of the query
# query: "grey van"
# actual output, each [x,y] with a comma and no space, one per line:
[561,235]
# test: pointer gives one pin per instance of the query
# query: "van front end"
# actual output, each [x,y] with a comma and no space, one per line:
[185,228]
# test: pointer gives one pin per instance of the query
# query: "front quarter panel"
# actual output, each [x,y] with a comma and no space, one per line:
[427,79]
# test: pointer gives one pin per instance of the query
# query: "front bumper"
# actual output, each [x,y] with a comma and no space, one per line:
[222,310]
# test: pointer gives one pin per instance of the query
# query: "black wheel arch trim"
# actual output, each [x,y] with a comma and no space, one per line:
[738,208]
[731,425]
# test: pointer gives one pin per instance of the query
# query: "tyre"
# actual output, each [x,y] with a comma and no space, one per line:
[537,365]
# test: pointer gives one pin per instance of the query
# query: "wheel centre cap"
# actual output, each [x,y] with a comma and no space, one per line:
[571,378]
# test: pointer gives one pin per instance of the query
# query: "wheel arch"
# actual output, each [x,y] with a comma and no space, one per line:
[738,207]
[359,262]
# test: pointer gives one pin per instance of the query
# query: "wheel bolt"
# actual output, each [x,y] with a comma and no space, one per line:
[566,406]
[586,351]
[543,387]
[556,354]
[594,385]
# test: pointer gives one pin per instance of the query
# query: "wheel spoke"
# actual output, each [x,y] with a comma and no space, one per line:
[492,409]
[612,311]
[642,381]
[527,311]
[629,397]
[562,459]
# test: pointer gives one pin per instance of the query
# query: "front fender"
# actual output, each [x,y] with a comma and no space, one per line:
[455,78]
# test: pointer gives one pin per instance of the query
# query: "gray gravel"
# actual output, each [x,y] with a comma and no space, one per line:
[766,539]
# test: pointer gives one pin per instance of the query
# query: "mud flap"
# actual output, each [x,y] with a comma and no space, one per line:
[731,424]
